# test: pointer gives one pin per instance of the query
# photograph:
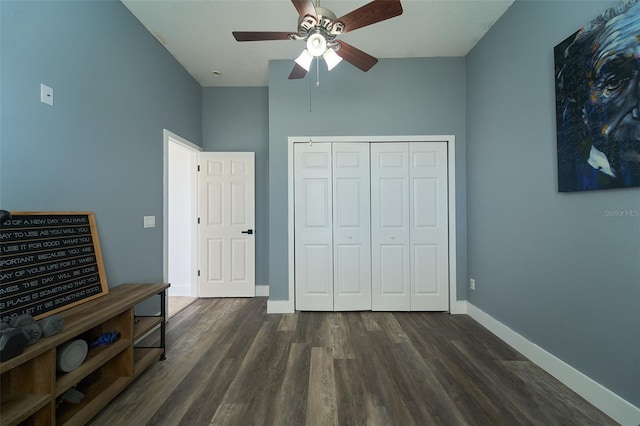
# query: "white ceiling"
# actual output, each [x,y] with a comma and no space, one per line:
[198,33]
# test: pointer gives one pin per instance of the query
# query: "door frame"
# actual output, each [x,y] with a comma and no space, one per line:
[169,137]
[455,306]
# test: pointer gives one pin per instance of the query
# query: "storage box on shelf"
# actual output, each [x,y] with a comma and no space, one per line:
[30,384]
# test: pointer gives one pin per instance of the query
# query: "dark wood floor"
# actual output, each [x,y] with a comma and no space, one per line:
[228,362]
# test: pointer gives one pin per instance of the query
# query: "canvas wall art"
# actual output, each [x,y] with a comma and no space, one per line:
[597,71]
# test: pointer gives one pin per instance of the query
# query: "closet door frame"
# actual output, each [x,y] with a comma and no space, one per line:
[455,306]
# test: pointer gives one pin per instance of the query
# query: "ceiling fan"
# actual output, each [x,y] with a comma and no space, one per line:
[319,27]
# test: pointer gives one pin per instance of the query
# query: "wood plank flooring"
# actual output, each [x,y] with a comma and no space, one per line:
[229,363]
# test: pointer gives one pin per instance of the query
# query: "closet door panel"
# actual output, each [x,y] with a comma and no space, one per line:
[393,203]
[429,226]
[425,270]
[317,261]
[392,269]
[390,226]
[313,227]
[351,227]
[349,273]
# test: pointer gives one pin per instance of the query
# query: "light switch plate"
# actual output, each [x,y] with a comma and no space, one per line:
[46,94]
[149,221]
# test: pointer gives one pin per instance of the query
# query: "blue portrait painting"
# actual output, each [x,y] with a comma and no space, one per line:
[597,71]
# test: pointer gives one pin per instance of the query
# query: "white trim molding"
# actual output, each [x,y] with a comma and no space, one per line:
[605,400]
[262,290]
[458,307]
[280,307]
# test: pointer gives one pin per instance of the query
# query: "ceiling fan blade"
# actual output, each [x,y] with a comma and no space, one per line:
[355,56]
[297,72]
[371,13]
[305,7]
[261,35]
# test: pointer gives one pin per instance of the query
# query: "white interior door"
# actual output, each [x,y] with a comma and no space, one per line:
[429,236]
[390,257]
[313,227]
[351,227]
[226,186]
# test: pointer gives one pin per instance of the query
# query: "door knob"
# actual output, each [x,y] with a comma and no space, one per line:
[393,237]
[248,231]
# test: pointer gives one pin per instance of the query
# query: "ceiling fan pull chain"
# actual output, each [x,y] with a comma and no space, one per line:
[317,72]
[310,95]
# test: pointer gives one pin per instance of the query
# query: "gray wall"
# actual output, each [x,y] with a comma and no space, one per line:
[396,97]
[237,119]
[552,266]
[100,148]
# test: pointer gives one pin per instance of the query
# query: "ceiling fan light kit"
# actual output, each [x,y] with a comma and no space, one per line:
[304,60]
[316,44]
[331,58]
[318,28]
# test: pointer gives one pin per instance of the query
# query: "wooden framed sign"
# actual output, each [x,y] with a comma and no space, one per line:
[49,261]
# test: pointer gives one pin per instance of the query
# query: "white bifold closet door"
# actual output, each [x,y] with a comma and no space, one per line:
[429,226]
[313,227]
[390,227]
[371,226]
[409,228]
[351,227]
[331,225]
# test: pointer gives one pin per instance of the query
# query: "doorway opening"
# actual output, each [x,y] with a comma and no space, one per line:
[180,212]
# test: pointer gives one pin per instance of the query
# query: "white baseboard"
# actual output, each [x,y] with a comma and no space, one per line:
[262,291]
[458,307]
[608,402]
[280,307]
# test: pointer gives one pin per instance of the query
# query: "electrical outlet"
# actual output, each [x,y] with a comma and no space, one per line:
[472,284]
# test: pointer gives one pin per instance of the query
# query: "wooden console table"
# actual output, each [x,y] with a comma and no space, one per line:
[30,383]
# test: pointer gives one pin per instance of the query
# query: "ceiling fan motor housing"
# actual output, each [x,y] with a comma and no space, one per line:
[325,25]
